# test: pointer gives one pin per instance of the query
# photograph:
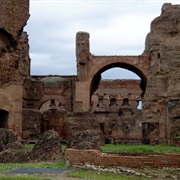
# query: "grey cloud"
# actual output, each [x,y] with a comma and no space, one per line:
[45,64]
[119,73]
[53,25]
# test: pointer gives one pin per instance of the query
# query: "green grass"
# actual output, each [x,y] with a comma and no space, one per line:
[129,148]
[70,117]
[28,146]
[177,136]
[63,148]
[100,176]
[23,178]
[140,148]
[9,166]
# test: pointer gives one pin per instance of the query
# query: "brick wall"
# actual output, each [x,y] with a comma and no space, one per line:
[95,157]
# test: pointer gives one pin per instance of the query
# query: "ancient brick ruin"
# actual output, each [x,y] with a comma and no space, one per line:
[14,62]
[30,105]
[115,108]
[78,157]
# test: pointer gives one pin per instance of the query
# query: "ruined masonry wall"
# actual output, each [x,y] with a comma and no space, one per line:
[161,103]
[94,157]
[14,62]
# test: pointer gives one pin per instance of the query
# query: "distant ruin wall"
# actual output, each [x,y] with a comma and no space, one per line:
[161,103]
[116,115]
[14,62]
[94,157]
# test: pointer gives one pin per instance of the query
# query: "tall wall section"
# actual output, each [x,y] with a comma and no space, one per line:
[14,62]
[161,103]
[115,106]
[46,101]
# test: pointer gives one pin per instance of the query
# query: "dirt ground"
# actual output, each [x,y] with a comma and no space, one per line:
[52,176]
[156,174]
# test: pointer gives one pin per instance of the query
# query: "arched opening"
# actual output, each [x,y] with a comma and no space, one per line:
[49,104]
[52,104]
[139,105]
[53,116]
[3,118]
[125,102]
[112,102]
[132,71]
[125,77]
[119,73]
[116,97]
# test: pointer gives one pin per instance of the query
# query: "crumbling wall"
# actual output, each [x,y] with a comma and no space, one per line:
[115,105]
[77,122]
[79,157]
[14,60]
[117,116]
[54,119]
[47,99]
[31,125]
[38,90]
[161,102]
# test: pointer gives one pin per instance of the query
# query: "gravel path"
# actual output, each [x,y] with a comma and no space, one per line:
[38,170]
[50,173]
[61,173]
[52,176]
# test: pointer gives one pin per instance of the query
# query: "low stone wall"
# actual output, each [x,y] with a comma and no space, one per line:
[95,157]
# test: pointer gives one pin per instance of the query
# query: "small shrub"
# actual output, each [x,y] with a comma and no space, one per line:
[70,117]
[29,146]
[177,136]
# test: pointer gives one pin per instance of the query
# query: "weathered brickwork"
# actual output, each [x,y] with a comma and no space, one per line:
[161,102]
[70,104]
[158,68]
[95,157]
[115,106]
[14,62]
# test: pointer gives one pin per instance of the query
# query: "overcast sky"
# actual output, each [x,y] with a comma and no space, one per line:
[116,27]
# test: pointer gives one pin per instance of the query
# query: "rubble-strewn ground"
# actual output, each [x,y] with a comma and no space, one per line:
[48,176]
[146,173]
[163,173]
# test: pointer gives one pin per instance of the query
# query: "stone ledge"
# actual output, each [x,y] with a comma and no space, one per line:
[97,158]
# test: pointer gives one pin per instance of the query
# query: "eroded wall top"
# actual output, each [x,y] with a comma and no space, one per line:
[13,16]
[161,103]
[14,48]
[167,25]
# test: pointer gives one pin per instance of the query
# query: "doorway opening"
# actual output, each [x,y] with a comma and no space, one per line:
[4,118]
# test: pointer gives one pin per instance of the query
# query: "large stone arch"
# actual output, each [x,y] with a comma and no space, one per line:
[46,98]
[89,68]
[110,65]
